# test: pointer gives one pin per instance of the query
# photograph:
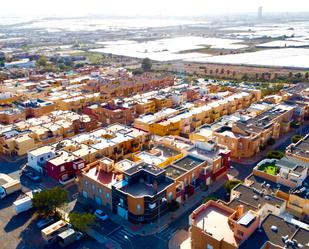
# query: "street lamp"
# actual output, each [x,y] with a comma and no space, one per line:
[127,238]
[163,200]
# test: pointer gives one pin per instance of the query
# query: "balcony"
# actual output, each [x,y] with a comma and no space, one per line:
[65,182]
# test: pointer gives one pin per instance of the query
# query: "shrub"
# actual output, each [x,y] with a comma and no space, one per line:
[275,154]
[296,138]
[173,206]
[210,198]
[295,125]
[229,185]
[271,141]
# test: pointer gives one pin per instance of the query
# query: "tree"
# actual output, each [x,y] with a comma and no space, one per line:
[138,71]
[42,62]
[275,154]
[296,138]
[81,221]
[229,185]
[48,200]
[146,64]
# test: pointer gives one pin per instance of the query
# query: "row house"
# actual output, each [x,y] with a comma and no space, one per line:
[248,137]
[110,113]
[12,115]
[32,133]
[36,107]
[192,117]
[128,86]
[299,150]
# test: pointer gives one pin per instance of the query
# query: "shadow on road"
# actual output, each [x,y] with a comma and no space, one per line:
[18,221]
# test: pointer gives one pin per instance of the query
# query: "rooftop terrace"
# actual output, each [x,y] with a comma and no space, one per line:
[214,221]
[188,162]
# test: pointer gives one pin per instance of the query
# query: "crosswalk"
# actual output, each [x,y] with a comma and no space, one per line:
[119,236]
[167,233]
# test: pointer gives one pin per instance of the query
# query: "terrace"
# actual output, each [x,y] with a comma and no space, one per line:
[142,188]
[174,172]
[103,177]
[213,220]
[269,168]
[188,162]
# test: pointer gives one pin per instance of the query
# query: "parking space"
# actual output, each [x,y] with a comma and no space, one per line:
[107,227]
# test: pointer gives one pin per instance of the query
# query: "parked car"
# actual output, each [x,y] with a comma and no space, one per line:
[101,215]
[36,190]
[42,223]
[32,176]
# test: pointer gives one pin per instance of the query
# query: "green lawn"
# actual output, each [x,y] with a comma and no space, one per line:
[269,169]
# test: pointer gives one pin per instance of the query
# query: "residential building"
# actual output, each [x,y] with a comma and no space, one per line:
[12,115]
[287,179]
[300,150]
[246,138]
[142,196]
[214,225]
[64,167]
[110,113]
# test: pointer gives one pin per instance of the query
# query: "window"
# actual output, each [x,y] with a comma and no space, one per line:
[42,158]
[86,183]
[85,194]
[138,207]
[170,196]
[209,246]
[100,191]
[107,195]
[62,168]
[93,187]
[121,202]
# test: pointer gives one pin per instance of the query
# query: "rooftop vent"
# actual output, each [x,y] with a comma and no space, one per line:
[274,228]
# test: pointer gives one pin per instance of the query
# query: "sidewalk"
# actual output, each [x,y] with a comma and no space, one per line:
[182,237]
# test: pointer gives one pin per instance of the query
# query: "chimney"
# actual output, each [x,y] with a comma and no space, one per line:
[240,210]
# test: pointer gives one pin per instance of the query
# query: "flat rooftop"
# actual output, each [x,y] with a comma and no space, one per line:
[188,162]
[253,198]
[167,151]
[174,172]
[302,147]
[140,189]
[274,229]
[214,221]
[143,166]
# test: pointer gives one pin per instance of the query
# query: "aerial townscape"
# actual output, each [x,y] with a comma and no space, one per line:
[160,125]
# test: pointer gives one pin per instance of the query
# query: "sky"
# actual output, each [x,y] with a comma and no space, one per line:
[145,7]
